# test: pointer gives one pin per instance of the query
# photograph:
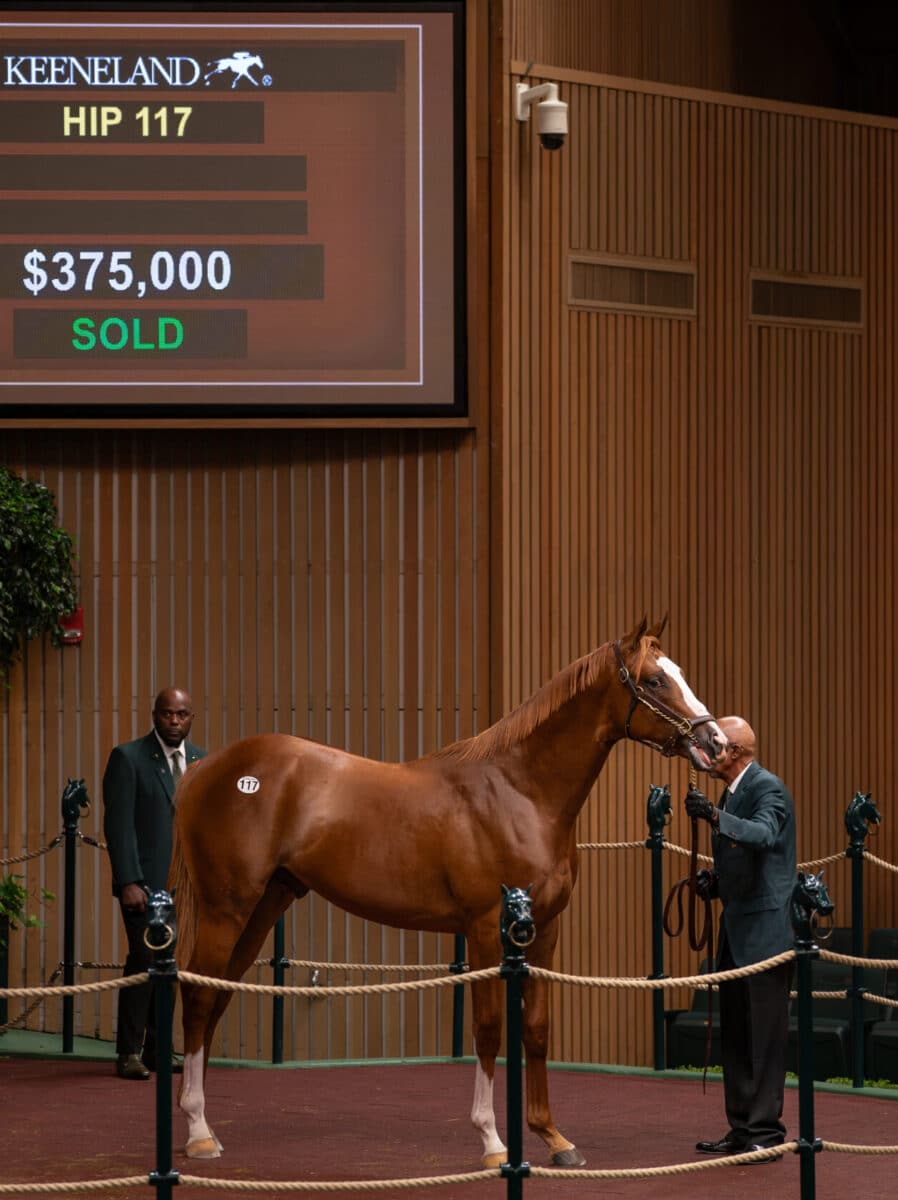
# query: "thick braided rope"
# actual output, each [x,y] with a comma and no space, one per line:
[332,966]
[609,845]
[78,989]
[358,989]
[654,984]
[821,862]
[348,1185]
[849,960]
[5,862]
[729,1160]
[879,861]
[845,1148]
[88,1185]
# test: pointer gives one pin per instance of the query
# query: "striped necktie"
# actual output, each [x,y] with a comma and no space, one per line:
[176,771]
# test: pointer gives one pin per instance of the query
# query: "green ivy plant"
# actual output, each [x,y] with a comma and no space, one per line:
[37,584]
[13,901]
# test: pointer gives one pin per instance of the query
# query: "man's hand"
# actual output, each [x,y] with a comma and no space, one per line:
[698,805]
[706,884]
[134,898]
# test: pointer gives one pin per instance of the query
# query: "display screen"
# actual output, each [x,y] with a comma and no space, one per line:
[253,213]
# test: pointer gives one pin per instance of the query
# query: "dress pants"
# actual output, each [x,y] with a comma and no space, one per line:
[754,1030]
[136,1010]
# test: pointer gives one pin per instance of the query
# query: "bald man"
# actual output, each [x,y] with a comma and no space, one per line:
[753,840]
[138,792]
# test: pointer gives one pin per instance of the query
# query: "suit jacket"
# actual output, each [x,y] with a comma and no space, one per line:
[754,855]
[138,791]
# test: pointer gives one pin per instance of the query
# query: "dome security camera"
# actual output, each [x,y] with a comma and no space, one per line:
[551,113]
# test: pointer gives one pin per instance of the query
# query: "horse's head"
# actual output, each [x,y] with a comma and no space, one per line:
[663,710]
[810,900]
[75,801]
[516,923]
[861,813]
[160,929]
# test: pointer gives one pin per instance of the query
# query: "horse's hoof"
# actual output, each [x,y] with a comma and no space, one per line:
[568,1158]
[207,1147]
[489,1161]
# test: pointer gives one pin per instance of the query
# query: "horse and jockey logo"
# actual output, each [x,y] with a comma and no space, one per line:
[240,63]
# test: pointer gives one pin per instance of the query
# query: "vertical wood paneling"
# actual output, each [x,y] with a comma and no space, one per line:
[739,475]
[323,584]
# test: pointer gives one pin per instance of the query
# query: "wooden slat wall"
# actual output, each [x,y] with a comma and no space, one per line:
[324,584]
[736,474]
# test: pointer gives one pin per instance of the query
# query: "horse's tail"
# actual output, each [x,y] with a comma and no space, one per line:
[181,885]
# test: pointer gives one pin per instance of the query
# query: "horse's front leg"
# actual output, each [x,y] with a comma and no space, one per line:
[536,1047]
[486,1004]
[198,1003]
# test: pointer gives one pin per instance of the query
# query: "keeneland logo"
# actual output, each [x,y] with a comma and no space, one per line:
[116,70]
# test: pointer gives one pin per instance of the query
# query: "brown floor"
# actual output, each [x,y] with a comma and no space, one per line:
[73,1120]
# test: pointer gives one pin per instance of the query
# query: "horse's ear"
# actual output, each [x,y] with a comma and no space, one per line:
[504,890]
[631,640]
[658,628]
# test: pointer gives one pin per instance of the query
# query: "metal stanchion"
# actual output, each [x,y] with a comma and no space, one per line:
[458,997]
[657,814]
[160,935]
[518,931]
[279,963]
[859,812]
[74,799]
[808,898]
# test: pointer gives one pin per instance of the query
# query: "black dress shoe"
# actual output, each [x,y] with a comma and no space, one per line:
[760,1162]
[726,1145]
[129,1066]
[177,1063]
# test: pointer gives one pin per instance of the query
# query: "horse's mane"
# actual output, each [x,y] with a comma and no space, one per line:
[573,679]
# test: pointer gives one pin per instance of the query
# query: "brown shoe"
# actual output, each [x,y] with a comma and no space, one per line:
[129,1066]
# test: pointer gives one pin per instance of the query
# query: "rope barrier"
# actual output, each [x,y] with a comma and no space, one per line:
[845,1148]
[348,1185]
[58,1189]
[5,862]
[332,966]
[359,989]
[80,989]
[729,1160]
[702,981]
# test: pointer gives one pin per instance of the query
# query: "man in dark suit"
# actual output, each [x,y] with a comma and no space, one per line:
[753,838]
[138,793]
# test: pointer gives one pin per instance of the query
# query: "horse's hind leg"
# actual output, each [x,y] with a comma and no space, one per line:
[220,953]
[536,1045]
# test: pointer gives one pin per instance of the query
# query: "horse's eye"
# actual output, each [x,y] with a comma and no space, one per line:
[655,681]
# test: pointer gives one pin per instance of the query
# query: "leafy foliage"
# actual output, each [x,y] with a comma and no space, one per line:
[37,585]
[13,899]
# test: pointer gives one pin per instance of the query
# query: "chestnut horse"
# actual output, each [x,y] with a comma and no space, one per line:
[419,845]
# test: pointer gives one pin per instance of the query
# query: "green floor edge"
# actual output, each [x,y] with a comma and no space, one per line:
[18,1043]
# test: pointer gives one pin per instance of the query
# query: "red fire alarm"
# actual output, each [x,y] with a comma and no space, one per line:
[72,627]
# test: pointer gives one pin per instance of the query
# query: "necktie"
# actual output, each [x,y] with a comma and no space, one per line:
[176,771]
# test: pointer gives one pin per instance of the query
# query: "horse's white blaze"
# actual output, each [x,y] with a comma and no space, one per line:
[192,1100]
[669,667]
[483,1118]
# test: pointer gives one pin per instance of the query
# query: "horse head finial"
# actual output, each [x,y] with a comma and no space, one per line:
[75,802]
[516,923]
[161,929]
[810,900]
[658,810]
[860,814]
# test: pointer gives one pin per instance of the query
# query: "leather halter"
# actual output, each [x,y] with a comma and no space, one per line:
[684,727]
